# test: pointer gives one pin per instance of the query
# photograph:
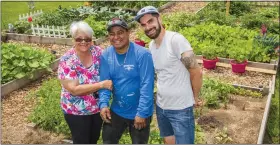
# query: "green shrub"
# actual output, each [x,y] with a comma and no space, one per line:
[129,4]
[217,17]
[238,50]
[48,114]
[142,36]
[269,12]
[23,27]
[178,20]
[253,21]
[99,27]
[19,61]
[239,8]
[236,8]
[263,47]
[209,50]
[233,42]
[199,135]
[155,137]
[215,92]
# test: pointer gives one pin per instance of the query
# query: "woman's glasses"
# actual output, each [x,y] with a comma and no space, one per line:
[81,40]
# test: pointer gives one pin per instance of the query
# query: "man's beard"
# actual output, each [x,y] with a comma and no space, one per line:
[156,33]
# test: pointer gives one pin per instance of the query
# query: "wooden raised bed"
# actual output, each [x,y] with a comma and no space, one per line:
[245,119]
[46,40]
[268,66]
[19,83]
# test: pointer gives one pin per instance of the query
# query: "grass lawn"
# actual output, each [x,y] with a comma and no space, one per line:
[10,10]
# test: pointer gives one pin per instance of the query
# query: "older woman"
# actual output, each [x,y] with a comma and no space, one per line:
[78,72]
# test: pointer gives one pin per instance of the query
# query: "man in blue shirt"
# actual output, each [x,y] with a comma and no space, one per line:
[130,67]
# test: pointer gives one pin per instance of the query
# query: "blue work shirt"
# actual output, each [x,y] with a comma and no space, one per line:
[132,75]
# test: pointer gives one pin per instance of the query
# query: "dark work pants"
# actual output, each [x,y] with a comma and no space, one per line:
[85,129]
[113,131]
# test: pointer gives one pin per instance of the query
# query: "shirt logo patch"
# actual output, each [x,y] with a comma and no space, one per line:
[128,67]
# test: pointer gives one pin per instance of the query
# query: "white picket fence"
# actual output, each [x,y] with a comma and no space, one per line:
[49,31]
[33,15]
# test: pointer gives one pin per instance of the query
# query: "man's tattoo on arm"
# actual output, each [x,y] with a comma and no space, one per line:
[189,60]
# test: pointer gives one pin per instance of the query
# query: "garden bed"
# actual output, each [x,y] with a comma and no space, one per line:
[22,64]
[270,66]
[21,82]
[233,117]
[242,118]
[46,40]
[57,49]
[253,79]
[15,109]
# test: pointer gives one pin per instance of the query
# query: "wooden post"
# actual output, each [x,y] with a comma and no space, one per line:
[49,34]
[227,7]
[58,31]
[33,29]
[53,31]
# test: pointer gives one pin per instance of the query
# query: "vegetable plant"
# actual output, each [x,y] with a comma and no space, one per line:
[19,61]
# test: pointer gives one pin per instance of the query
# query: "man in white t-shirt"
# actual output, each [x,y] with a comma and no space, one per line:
[179,78]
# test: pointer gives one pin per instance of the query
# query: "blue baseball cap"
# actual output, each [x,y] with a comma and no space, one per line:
[146,10]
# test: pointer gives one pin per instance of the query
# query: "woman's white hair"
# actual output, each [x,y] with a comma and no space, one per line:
[80,26]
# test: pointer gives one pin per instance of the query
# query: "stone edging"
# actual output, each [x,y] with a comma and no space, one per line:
[46,40]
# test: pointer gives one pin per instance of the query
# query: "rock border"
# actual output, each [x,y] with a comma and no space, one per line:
[46,40]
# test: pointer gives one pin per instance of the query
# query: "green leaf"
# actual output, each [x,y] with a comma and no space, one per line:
[33,64]
[20,75]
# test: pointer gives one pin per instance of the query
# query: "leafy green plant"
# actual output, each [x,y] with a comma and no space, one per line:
[239,8]
[23,27]
[52,18]
[99,27]
[263,48]
[142,36]
[273,28]
[19,61]
[199,135]
[217,17]
[211,98]
[244,92]
[214,92]
[129,4]
[253,21]
[238,52]
[105,14]
[96,16]
[178,20]
[241,14]
[221,37]
[47,114]
[125,139]
[222,137]
[209,50]
[155,137]
[269,12]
